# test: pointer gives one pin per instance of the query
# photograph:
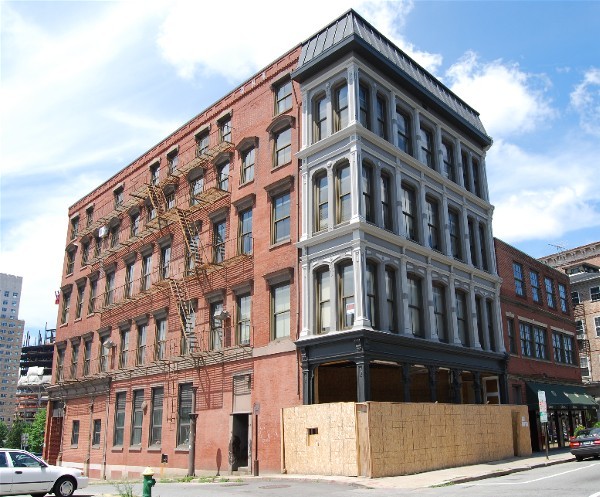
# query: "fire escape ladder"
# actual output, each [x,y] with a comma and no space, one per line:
[157,198]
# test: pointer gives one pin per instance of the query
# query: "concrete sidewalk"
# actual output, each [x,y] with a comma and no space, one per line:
[447,476]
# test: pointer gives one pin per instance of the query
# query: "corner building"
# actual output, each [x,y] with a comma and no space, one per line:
[322,233]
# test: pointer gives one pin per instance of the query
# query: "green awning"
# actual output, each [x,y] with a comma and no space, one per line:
[560,396]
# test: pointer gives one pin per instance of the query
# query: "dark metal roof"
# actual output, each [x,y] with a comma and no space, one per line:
[351,32]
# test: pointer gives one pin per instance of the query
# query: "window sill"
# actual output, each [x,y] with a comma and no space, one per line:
[280,166]
[181,450]
[137,448]
[117,449]
[155,448]
[250,182]
[280,244]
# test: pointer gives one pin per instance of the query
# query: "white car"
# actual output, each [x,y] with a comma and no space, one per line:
[24,473]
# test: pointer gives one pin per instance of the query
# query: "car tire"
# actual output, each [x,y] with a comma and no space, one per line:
[579,458]
[64,486]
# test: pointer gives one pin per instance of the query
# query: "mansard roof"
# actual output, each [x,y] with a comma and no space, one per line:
[351,33]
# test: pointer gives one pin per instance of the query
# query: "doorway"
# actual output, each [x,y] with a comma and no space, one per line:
[238,445]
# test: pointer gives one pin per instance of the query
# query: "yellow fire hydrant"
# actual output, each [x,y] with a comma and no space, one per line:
[148,483]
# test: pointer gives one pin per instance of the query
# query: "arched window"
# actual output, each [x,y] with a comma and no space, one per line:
[409,212]
[319,117]
[340,107]
[371,293]
[323,300]
[367,191]
[439,312]
[386,202]
[391,299]
[346,310]
[343,193]
[364,111]
[321,193]
[415,305]
[461,316]
[404,139]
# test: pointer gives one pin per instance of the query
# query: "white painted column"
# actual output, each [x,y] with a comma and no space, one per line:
[355,181]
[307,211]
[307,297]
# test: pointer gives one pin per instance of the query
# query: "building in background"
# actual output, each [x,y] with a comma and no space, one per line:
[36,374]
[582,264]
[11,336]
[322,233]
[539,332]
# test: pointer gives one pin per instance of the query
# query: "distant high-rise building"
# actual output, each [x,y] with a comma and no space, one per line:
[11,336]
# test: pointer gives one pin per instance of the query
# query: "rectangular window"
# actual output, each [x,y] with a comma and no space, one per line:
[455,235]
[223,176]
[96,432]
[371,294]
[283,97]
[433,224]
[87,356]
[512,341]
[439,311]
[282,147]
[483,246]
[526,340]
[196,189]
[340,112]
[137,417]
[281,217]
[118,197]
[161,340]
[85,253]
[219,231]
[426,146]
[246,232]
[225,129]
[92,296]
[243,319]
[343,190]
[165,261]
[404,139]
[103,353]
[390,296]
[476,178]
[79,308]
[119,429]
[280,308]
[135,224]
[466,170]
[519,282]
[461,316]
[595,293]
[64,316]
[597,325]
[321,202]
[386,202]
[172,162]
[154,174]
[579,328]
[248,159]
[415,305]
[562,297]
[146,272]
[74,358]
[129,277]
[141,345]
[364,115]
[75,433]
[319,118]
[156,417]
[60,361]
[89,216]
[216,325]
[575,298]
[584,365]
[70,261]
[114,236]
[381,108]
[74,228]
[550,298]
[367,191]
[202,142]
[109,288]
[534,280]
[449,167]
[323,300]
[183,414]
[539,335]
[124,349]
[409,213]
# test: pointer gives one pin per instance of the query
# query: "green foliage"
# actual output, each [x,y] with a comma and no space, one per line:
[13,439]
[578,428]
[596,424]
[3,433]
[125,489]
[36,431]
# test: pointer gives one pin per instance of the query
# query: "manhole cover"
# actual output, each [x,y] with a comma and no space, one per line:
[269,487]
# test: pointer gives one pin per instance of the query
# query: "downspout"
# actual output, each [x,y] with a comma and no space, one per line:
[192,447]
[89,450]
[103,476]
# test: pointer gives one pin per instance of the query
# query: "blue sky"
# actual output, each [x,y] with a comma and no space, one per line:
[89,86]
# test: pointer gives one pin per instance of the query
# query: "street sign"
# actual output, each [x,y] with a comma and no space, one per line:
[543,406]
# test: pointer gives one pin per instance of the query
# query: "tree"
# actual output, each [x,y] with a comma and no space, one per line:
[36,431]
[13,439]
[3,433]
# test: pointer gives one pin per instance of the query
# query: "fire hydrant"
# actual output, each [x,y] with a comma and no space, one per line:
[148,483]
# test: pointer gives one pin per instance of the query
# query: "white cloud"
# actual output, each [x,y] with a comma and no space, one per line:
[542,195]
[585,99]
[510,101]
[237,47]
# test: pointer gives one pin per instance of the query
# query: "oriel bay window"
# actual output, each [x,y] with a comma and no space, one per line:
[415,305]
[323,300]
[343,194]
[340,107]
[346,307]
[321,193]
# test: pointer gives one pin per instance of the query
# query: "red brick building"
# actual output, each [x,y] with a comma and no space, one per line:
[540,336]
[322,233]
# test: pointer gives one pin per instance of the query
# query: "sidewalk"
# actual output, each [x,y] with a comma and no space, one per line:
[440,477]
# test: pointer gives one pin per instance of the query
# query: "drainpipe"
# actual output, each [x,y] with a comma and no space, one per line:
[192,446]
[89,450]
[103,476]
